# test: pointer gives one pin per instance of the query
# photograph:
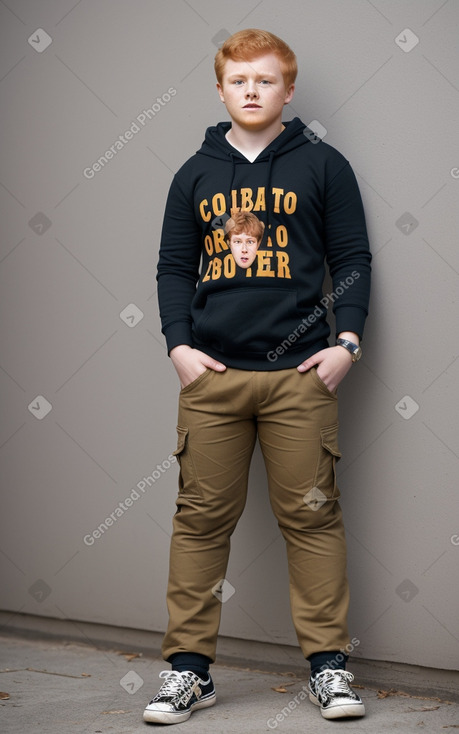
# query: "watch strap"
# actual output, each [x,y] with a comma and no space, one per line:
[354,349]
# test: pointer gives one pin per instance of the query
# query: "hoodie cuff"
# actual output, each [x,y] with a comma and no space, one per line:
[350,318]
[176,334]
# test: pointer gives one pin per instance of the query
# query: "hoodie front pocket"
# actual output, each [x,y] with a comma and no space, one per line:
[248,319]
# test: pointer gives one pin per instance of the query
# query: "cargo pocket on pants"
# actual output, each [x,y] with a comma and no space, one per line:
[188,484]
[329,454]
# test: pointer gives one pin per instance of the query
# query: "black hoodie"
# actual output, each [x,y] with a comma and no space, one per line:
[272,315]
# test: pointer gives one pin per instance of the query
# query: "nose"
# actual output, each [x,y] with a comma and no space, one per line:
[251,90]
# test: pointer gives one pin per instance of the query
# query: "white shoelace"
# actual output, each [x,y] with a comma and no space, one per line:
[176,686]
[334,681]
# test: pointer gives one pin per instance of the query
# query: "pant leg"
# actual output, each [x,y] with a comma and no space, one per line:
[216,438]
[298,433]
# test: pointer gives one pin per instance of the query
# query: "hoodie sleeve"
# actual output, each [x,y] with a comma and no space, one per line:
[178,266]
[347,251]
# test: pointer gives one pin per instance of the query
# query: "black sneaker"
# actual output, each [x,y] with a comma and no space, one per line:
[179,695]
[330,690]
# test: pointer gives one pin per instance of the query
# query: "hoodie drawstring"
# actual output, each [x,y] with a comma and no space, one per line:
[233,175]
[267,188]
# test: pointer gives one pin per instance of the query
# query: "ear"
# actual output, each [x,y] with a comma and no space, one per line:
[289,94]
[220,91]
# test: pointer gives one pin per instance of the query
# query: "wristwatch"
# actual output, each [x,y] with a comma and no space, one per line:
[354,349]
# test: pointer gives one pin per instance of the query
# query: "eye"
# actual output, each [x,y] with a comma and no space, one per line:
[265,81]
[238,82]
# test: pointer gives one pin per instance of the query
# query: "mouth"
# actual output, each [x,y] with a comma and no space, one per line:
[252,106]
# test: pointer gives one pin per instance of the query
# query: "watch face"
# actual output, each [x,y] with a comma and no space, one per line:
[357,354]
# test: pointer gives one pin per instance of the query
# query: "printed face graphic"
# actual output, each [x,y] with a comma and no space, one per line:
[244,248]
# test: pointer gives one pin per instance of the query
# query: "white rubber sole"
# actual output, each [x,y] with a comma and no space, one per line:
[155,716]
[348,710]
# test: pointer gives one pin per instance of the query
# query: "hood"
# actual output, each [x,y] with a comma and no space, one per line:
[215,144]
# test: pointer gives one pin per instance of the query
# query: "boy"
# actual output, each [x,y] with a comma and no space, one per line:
[252,355]
[244,232]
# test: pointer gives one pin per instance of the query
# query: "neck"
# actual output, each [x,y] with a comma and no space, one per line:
[253,141]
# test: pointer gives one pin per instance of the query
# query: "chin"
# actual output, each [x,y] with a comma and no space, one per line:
[253,123]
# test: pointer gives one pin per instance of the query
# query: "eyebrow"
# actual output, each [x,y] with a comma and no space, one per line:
[243,76]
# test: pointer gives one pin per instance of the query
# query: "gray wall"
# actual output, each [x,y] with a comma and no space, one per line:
[77,252]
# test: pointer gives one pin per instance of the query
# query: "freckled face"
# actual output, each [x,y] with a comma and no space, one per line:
[254,92]
[244,249]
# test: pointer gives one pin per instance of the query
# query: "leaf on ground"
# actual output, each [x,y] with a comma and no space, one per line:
[392,692]
[129,655]
[86,675]
[283,687]
[4,696]
[116,711]
[424,708]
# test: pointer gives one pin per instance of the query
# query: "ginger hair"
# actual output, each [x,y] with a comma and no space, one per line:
[244,221]
[251,43]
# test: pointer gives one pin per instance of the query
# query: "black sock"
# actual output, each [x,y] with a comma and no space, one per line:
[334,659]
[193,661]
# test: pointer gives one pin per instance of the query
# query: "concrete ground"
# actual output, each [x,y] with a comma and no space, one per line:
[54,687]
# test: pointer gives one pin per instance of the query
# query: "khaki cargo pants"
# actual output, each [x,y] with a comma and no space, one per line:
[296,419]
